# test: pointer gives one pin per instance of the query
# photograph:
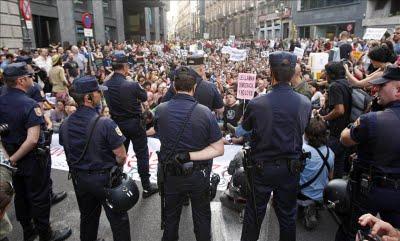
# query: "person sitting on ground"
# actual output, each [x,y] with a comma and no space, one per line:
[317,172]
[58,115]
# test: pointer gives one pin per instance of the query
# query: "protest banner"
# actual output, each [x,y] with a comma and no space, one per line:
[237,54]
[220,164]
[226,50]
[264,54]
[246,86]
[374,33]
[298,52]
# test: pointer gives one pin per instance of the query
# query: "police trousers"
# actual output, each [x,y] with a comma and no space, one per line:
[32,197]
[134,132]
[177,188]
[89,190]
[382,200]
[272,177]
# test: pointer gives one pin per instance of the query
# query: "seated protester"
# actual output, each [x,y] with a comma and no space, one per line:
[317,99]
[233,111]
[57,116]
[317,172]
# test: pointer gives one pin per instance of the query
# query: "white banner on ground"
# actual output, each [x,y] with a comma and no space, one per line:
[246,86]
[298,52]
[238,54]
[220,164]
[374,33]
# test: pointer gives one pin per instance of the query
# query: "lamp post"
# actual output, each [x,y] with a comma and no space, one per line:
[281,9]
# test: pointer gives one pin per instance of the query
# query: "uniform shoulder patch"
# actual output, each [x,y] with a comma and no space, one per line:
[118,131]
[38,111]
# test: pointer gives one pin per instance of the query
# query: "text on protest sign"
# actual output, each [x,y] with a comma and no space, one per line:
[246,86]
[238,54]
[374,33]
[298,52]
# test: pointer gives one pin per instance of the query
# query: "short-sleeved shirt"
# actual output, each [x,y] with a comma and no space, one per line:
[232,114]
[20,113]
[313,165]
[72,68]
[124,97]
[378,138]
[106,137]
[339,93]
[345,50]
[35,92]
[201,130]
[277,121]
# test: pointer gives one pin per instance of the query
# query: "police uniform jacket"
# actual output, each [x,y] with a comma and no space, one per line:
[20,113]
[277,120]
[378,135]
[124,97]
[106,137]
[201,130]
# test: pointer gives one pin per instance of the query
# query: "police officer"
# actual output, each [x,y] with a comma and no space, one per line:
[93,146]
[277,120]
[190,138]
[375,175]
[206,93]
[124,100]
[31,181]
[36,93]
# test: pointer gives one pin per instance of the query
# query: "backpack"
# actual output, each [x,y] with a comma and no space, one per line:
[359,103]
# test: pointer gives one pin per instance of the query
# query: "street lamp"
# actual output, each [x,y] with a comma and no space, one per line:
[281,9]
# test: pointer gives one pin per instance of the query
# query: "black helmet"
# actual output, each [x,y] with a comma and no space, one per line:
[337,196]
[239,182]
[124,196]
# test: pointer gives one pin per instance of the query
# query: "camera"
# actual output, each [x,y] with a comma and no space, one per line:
[4,129]
[365,235]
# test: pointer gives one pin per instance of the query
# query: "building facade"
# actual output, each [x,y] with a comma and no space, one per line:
[56,21]
[225,18]
[327,18]
[382,14]
[10,25]
[275,19]
[146,19]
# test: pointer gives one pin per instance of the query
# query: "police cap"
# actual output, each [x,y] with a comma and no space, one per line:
[16,70]
[195,60]
[119,59]
[26,59]
[282,58]
[392,73]
[87,84]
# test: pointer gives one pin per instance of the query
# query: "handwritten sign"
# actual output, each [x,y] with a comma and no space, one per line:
[237,54]
[246,86]
[374,33]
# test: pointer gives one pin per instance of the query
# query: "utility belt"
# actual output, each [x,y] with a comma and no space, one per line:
[187,169]
[295,166]
[90,172]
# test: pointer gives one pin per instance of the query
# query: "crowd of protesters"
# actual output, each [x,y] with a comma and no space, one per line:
[152,64]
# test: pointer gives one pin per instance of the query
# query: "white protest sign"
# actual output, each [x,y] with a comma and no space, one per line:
[184,53]
[193,48]
[272,44]
[231,39]
[238,54]
[264,54]
[206,35]
[88,32]
[246,86]
[220,164]
[374,33]
[318,61]
[298,52]
[226,50]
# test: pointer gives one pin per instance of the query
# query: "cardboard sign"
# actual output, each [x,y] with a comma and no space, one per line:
[374,33]
[298,52]
[357,55]
[246,86]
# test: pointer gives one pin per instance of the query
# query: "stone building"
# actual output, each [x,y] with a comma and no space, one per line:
[10,25]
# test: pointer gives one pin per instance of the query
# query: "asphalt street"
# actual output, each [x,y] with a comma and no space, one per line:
[145,220]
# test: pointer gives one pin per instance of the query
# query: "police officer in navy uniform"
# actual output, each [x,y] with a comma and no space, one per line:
[206,93]
[91,172]
[375,175]
[36,93]
[22,143]
[124,99]
[278,120]
[200,141]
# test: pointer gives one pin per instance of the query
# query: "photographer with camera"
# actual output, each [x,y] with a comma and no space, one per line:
[375,175]
[32,179]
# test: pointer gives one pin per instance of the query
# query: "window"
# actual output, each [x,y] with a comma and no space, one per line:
[81,4]
[314,4]
[379,5]
[395,8]
[107,8]
[304,32]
